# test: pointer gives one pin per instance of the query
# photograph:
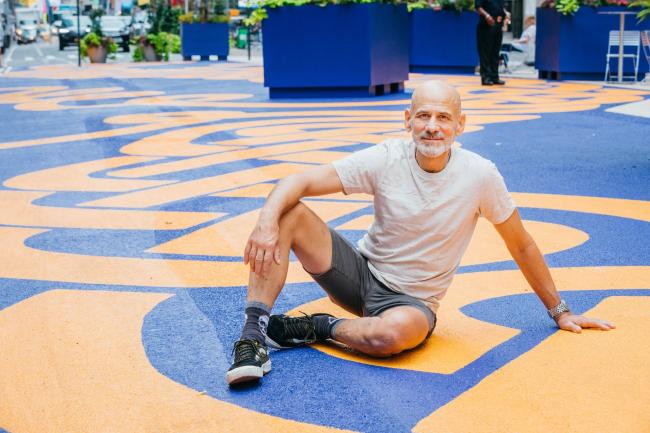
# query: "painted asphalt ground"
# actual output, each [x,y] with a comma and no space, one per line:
[128,192]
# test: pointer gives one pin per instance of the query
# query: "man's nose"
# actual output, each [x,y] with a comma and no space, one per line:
[432,125]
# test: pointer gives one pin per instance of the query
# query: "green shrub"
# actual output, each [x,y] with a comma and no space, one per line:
[175,43]
[442,5]
[95,20]
[92,39]
[645,8]
[138,54]
[570,7]
[163,44]
[260,13]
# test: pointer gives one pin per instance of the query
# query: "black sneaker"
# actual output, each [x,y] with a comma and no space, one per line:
[251,362]
[284,332]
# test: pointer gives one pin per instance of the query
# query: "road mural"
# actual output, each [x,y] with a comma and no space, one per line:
[128,193]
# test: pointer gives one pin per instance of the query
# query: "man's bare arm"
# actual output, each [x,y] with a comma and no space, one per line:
[530,260]
[262,247]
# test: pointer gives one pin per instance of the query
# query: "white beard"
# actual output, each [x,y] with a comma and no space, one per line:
[431,150]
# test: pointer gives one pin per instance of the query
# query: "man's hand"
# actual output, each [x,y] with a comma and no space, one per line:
[262,247]
[489,20]
[575,323]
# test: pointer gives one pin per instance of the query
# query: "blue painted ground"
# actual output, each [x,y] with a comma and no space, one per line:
[188,337]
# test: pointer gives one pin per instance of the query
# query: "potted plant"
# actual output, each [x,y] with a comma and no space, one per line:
[95,45]
[206,34]
[156,47]
[572,38]
[442,35]
[316,48]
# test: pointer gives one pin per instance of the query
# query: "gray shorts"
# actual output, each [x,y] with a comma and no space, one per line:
[351,285]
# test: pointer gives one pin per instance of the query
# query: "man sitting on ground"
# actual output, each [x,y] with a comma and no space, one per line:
[427,199]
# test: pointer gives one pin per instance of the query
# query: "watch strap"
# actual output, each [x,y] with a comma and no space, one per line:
[560,308]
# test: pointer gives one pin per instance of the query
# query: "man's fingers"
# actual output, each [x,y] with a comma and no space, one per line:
[570,325]
[276,254]
[259,259]
[610,325]
[247,250]
[268,261]
[585,322]
[574,328]
[251,257]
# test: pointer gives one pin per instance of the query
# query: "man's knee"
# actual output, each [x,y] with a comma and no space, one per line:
[294,215]
[386,342]
[294,222]
[397,330]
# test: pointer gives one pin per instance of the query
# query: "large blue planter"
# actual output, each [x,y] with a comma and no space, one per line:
[336,50]
[443,41]
[205,39]
[573,47]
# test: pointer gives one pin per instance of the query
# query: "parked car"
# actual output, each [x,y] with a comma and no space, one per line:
[57,18]
[113,27]
[26,25]
[69,32]
[26,31]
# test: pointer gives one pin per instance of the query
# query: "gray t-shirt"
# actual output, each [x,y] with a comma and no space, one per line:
[423,221]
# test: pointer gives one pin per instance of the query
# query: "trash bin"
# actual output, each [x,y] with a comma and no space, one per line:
[242,37]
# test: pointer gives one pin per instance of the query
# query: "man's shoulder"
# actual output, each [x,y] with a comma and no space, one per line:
[473,159]
[396,143]
[392,149]
[377,156]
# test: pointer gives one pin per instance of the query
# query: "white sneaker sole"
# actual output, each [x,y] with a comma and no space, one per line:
[295,343]
[247,373]
[272,343]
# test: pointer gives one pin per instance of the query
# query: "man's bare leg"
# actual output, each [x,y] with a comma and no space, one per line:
[302,231]
[308,236]
[393,331]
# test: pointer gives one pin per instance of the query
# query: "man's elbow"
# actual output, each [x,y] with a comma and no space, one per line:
[526,245]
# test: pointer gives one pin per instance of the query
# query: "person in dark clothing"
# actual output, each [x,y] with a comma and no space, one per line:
[489,35]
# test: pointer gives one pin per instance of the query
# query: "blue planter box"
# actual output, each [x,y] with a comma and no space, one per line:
[205,39]
[336,50]
[443,41]
[574,47]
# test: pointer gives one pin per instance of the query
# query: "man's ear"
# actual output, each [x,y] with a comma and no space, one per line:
[461,125]
[407,120]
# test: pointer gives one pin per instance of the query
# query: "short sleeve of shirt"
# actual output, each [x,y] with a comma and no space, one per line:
[359,172]
[496,203]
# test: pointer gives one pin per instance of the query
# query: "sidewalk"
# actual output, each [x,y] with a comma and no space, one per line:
[236,55]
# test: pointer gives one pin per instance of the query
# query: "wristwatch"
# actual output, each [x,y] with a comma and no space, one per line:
[560,308]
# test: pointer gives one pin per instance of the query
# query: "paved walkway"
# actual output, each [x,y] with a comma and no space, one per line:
[128,191]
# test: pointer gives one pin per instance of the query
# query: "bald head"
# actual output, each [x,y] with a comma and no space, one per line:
[434,119]
[438,92]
